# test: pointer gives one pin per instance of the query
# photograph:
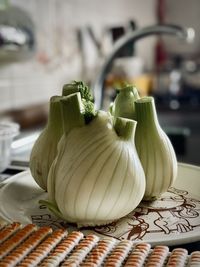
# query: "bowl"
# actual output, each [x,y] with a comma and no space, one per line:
[8,130]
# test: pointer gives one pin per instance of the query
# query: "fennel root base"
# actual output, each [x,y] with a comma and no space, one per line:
[92,223]
[151,198]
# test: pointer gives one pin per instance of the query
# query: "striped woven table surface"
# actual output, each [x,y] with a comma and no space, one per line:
[30,245]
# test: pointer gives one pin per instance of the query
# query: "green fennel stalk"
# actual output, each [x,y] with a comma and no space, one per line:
[86,97]
[123,105]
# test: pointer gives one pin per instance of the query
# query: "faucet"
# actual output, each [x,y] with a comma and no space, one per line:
[187,34]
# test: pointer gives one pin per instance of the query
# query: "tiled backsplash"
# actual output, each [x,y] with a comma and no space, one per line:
[28,83]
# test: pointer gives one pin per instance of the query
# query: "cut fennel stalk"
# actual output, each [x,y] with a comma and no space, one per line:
[123,105]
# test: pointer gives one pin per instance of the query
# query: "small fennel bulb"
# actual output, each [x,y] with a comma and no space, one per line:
[154,149]
[153,146]
[45,148]
[96,177]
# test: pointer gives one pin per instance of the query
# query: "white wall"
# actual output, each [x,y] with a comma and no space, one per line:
[57,58]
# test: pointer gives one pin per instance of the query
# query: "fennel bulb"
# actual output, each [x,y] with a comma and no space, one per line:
[96,177]
[45,148]
[154,149]
[153,146]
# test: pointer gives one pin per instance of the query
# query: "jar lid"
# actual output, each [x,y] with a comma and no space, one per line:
[8,129]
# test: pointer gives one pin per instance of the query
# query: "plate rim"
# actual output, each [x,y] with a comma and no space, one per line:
[177,240]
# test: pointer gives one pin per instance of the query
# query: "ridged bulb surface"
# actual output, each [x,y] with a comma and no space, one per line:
[97,177]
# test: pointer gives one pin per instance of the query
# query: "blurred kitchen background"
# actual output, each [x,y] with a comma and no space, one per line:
[46,43]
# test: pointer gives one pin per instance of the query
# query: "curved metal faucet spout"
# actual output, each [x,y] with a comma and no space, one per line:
[183,33]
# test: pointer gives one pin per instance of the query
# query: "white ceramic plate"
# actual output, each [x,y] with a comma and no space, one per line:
[171,220]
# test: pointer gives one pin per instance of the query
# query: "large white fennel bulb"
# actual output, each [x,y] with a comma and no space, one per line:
[96,177]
